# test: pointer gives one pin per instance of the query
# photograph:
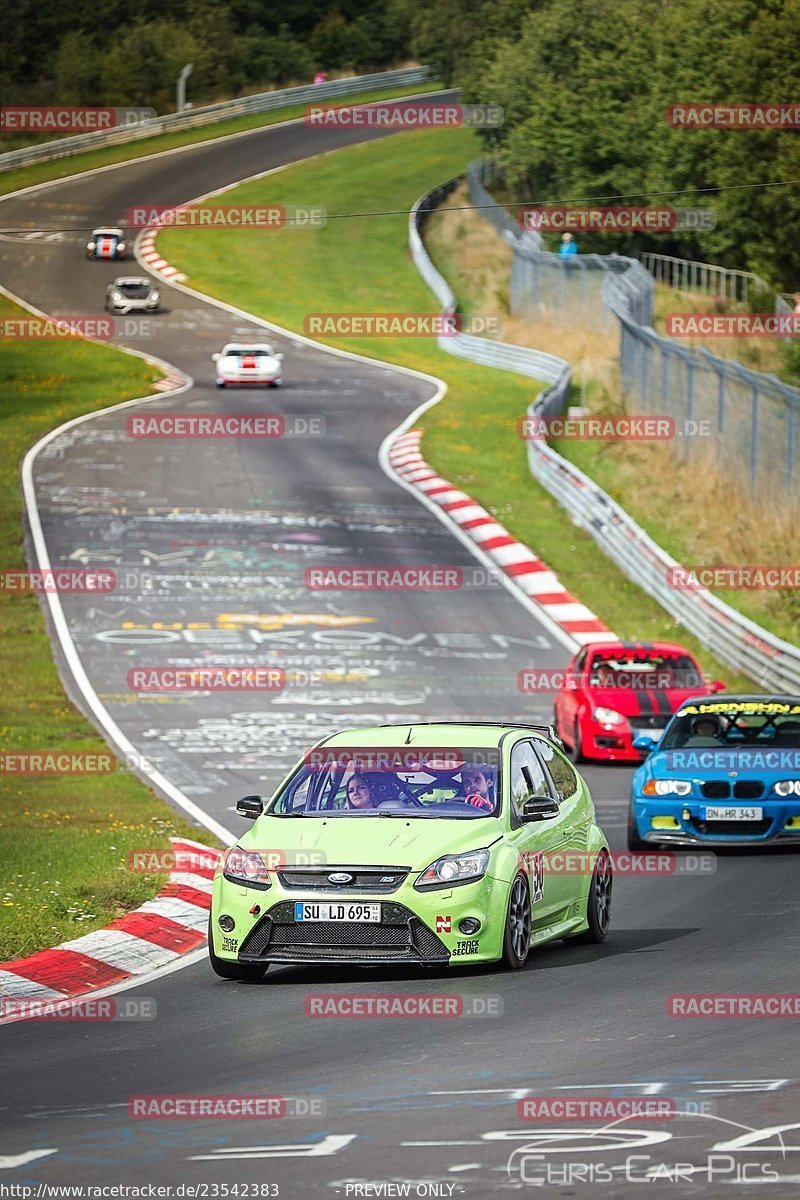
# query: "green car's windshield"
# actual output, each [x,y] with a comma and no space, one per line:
[398,781]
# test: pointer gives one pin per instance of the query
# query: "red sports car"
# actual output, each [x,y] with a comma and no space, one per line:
[614,691]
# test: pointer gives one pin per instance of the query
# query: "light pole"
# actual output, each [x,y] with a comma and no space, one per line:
[181,97]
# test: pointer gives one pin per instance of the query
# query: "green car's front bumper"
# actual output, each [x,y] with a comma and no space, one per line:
[416,927]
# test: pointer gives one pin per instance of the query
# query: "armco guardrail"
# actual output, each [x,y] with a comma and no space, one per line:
[211,113]
[752,416]
[743,645]
[736,641]
[534,363]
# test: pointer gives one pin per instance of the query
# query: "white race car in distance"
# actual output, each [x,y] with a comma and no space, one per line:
[253,363]
[106,242]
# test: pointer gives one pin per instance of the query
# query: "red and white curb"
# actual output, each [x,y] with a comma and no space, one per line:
[150,256]
[532,576]
[153,936]
[173,380]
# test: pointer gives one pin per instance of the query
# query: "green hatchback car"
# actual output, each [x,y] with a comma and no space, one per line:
[430,844]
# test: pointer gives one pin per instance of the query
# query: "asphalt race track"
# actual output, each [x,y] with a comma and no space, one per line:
[210,541]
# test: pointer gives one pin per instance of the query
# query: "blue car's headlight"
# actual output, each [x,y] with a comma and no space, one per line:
[454,869]
[787,787]
[246,867]
[667,787]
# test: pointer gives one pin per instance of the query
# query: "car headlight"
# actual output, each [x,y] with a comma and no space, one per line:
[247,867]
[667,787]
[607,716]
[787,787]
[115,295]
[91,245]
[121,246]
[153,298]
[454,869]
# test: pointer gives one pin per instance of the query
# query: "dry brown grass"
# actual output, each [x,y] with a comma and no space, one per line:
[757,353]
[699,514]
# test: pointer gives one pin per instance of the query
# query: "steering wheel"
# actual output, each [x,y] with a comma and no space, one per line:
[401,800]
[478,801]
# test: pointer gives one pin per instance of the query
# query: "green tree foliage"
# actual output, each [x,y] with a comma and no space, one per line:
[115,54]
[586,83]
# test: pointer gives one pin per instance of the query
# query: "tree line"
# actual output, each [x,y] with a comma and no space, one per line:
[116,54]
[586,85]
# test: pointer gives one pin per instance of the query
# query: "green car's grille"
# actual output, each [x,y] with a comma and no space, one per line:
[377,880]
[400,936]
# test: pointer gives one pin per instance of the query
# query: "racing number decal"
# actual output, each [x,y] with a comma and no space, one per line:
[533,865]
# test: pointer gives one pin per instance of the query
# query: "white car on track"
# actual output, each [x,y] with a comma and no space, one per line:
[106,242]
[248,363]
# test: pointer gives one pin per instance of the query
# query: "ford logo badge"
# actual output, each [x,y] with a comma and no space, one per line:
[340,877]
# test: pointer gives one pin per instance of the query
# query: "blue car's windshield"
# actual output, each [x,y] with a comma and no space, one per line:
[733,724]
[396,781]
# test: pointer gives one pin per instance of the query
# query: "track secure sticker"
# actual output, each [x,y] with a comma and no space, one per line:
[466,947]
[230,944]
[533,866]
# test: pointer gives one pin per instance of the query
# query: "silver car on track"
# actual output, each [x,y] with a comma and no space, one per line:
[132,293]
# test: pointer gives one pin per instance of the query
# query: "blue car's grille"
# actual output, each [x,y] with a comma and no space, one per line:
[743,789]
[733,828]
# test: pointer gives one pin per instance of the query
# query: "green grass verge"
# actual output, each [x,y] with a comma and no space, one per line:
[359,264]
[88,160]
[363,264]
[64,839]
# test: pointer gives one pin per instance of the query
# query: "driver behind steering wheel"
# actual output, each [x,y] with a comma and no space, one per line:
[478,787]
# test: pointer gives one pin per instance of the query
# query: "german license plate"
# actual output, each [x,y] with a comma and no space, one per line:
[733,814]
[304,911]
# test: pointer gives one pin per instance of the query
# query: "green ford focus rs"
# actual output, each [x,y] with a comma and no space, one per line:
[430,844]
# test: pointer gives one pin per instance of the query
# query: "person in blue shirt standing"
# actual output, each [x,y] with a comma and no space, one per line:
[568,245]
